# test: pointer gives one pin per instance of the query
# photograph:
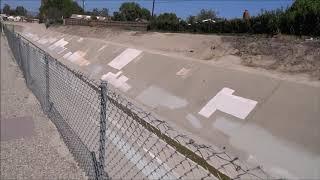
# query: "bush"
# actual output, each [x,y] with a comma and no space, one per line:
[94,18]
[166,22]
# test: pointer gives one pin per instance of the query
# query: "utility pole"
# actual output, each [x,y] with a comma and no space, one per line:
[83,6]
[152,8]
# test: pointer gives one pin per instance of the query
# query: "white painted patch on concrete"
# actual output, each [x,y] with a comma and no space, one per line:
[60,50]
[120,83]
[61,43]
[78,58]
[35,38]
[124,58]
[80,39]
[155,97]
[43,41]
[104,46]
[195,122]
[67,55]
[28,34]
[52,40]
[47,41]
[183,72]
[226,102]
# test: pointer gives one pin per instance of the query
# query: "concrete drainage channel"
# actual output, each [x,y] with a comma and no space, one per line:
[111,137]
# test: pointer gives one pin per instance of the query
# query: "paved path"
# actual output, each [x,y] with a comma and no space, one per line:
[31,147]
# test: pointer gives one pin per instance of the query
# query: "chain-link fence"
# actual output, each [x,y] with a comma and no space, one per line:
[108,135]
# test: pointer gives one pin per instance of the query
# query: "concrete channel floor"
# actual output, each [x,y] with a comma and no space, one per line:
[265,120]
[31,147]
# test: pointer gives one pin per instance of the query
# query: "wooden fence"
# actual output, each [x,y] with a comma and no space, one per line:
[142,26]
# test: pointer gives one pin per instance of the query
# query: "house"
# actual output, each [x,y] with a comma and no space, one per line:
[3,17]
[86,17]
[10,18]
[77,16]
[209,21]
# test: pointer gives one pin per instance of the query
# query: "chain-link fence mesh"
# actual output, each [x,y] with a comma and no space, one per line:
[111,137]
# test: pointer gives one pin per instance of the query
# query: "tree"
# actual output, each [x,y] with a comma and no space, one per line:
[6,9]
[130,11]
[56,9]
[191,19]
[76,8]
[21,11]
[117,16]
[145,14]
[95,12]
[104,12]
[167,22]
[206,14]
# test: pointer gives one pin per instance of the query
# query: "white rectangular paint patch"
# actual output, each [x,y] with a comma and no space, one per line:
[120,83]
[183,72]
[52,40]
[60,50]
[43,41]
[35,38]
[124,58]
[228,103]
[60,43]
[29,35]
[104,46]
[77,58]
[67,55]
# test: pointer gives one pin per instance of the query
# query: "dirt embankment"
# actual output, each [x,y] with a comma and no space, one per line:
[281,53]
[286,54]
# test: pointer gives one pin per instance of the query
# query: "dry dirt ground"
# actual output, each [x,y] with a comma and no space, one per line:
[285,54]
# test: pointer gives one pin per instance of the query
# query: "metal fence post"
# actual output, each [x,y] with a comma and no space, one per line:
[20,55]
[47,93]
[28,76]
[103,113]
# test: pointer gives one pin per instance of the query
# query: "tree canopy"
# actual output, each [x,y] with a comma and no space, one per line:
[19,11]
[56,9]
[6,9]
[206,14]
[130,11]
[96,12]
